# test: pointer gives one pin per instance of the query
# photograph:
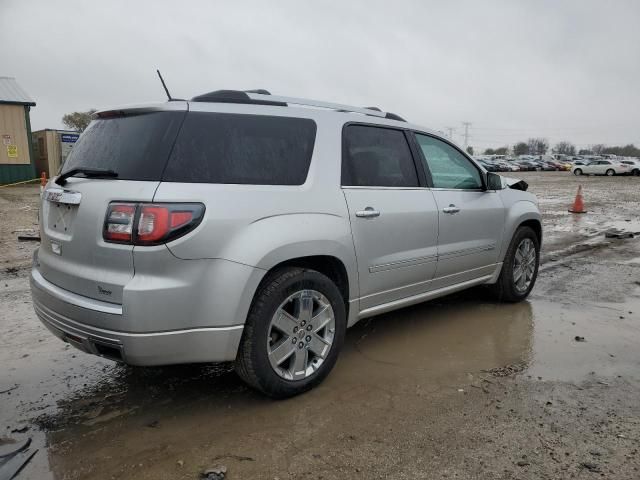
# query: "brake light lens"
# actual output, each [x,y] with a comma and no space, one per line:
[119,223]
[178,219]
[155,223]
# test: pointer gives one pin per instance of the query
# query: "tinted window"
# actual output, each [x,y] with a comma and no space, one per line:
[246,149]
[449,168]
[135,147]
[377,157]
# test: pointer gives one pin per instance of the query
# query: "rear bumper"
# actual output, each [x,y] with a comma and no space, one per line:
[71,320]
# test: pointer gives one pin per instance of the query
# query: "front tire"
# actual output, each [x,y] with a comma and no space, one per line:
[610,172]
[293,334]
[577,171]
[520,267]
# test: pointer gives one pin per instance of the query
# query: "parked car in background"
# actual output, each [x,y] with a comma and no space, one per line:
[635,166]
[557,165]
[511,167]
[527,165]
[488,166]
[602,167]
[546,166]
[261,227]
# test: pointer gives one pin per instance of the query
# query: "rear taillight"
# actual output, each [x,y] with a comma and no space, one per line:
[150,223]
[118,226]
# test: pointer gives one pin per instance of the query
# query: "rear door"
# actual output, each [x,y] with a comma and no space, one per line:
[73,254]
[594,167]
[394,220]
[471,220]
[604,165]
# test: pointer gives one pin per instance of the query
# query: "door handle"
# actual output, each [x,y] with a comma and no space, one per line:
[368,212]
[451,209]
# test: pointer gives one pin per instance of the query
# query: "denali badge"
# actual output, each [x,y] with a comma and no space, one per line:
[103,291]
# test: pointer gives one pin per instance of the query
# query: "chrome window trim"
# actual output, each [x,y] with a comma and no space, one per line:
[363,187]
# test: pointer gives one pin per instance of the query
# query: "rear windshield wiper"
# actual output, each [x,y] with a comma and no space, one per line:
[88,172]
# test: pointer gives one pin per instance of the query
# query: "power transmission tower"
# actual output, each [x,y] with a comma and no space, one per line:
[466,134]
[450,130]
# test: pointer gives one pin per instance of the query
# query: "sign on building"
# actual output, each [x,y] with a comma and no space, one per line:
[67,140]
[12,151]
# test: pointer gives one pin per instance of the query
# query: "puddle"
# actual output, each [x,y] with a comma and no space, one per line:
[611,332]
[446,339]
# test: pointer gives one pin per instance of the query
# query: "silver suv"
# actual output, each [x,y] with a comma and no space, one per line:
[241,226]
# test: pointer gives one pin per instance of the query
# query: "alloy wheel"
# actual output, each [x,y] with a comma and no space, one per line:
[524,265]
[301,334]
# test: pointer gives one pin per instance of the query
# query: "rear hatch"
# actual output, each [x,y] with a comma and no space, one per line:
[135,144]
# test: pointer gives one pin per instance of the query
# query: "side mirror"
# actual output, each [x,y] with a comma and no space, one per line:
[494,181]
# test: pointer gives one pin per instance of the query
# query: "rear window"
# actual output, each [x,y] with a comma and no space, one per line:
[242,149]
[136,147]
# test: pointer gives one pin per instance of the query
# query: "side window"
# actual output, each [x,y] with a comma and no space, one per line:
[448,167]
[242,149]
[376,157]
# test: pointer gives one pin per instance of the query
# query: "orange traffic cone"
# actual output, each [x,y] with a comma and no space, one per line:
[43,181]
[578,203]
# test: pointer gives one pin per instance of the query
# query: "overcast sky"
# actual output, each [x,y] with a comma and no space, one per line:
[515,69]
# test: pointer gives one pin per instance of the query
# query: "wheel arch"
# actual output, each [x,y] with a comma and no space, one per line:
[522,213]
[328,265]
[535,225]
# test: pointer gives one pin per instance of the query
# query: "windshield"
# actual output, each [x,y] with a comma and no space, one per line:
[135,147]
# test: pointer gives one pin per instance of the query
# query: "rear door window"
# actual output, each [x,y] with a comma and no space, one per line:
[377,157]
[136,147]
[242,149]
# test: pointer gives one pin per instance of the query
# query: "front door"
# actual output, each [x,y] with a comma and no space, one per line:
[394,221]
[471,220]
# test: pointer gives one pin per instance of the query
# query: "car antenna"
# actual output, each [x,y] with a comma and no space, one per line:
[164,85]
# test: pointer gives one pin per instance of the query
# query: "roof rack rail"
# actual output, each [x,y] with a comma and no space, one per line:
[237,96]
[263,97]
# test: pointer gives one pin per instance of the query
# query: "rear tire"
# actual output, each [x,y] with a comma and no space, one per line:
[577,171]
[610,172]
[506,289]
[255,361]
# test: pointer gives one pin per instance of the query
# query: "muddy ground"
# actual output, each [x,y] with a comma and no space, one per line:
[461,387]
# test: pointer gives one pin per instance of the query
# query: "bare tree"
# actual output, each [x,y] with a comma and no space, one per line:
[566,148]
[501,151]
[520,148]
[489,151]
[598,149]
[627,151]
[78,121]
[538,146]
